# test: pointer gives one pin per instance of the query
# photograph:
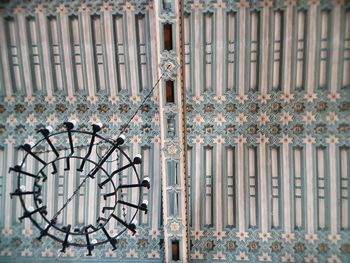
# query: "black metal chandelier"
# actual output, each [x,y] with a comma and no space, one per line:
[120,203]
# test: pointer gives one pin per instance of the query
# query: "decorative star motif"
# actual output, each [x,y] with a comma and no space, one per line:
[219,4]
[264,257]
[333,97]
[198,119]
[265,236]
[241,256]
[310,97]
[286,97]
[262,139]
[310,258]
[264,97]
[219,255]
[29,99]
[198,139]
[219,140]
[50,99]
[241,98]
[219,234]
[219,119]
[286,118]
[332,139]
[309,117]
[287,257]
[197,99]
[288,237]
[83,8]
[332,117]
[309,139]
[242,235]
[241,119]
[196,5]
[71,99]
[219,99]
[196,255]
[285,139]
[263,118]
[240,139]
[311,237]
[9,99]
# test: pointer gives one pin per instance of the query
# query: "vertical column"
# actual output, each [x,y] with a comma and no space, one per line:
[197,188]
[285,140]
[336,15]
[263,184]
[173,147]
[288,50]
[5,58]
[346,52]
[265,50]
[132,56]
[197,25]
[275,187]
[333,182]
[219,41]
[298,190]
[309,176]
[231,186]
[242,46]
[300,53]
[88,49]
[156,184]
[107,21]
[344,184]
[253,186]
[67,54]
[321,188]
[311,48]
[240,140]
[23,40]
[218,187]
[45,47]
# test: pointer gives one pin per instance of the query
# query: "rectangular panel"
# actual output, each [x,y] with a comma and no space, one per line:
[278,17]
[187,52]
[2,187]
[141,36]
[231,46]
[55,52]
[298,187]
[98,50]
[322,189]
[254,50]
[300,49]
[77,56]
[189,184]
[33,46]
[230,186]
[208,186]
[346,54]
[275,188]
[253,186]
[208,50]
[324,49]
[344,159]
[13,52]
[120,51]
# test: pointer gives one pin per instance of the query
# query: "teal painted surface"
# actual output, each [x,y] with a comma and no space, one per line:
[224,117]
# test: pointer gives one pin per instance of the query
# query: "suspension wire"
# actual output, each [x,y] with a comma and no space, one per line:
[123,126]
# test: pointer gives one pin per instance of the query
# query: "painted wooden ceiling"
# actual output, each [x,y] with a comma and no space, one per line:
[245,139]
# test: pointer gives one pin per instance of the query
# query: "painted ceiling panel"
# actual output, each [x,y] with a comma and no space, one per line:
[245,139]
